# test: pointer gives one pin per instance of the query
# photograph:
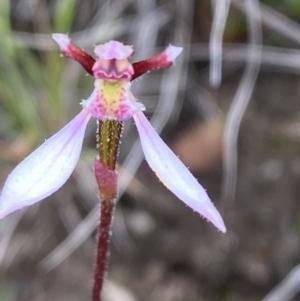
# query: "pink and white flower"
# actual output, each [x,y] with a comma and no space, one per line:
[45,170]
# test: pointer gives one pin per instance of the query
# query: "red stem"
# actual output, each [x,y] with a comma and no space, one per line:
[107,208]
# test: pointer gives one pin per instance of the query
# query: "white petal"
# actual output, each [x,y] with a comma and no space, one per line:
[172,172]
[172,52]
[46,169]
[62,40]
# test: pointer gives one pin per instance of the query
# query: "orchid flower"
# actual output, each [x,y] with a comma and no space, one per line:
[48,168]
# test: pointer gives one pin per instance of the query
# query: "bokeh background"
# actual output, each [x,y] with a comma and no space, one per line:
[229,109]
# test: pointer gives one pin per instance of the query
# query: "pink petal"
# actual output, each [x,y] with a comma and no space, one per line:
[46,169]
[113,50]
[172,172]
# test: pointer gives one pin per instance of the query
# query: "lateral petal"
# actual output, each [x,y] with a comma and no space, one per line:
[172,172]
[72,51]
[46,169]
[163,60]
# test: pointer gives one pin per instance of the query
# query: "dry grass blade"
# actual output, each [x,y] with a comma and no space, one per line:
[241,100]
[272,58]
[72,242]
[7,228]
[105,24]
[276,21]
[287,288]
[221,9]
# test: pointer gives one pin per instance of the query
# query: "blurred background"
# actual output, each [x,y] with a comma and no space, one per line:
[229,109]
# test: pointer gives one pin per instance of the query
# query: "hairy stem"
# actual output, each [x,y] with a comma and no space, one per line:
[107,208]
[109,133]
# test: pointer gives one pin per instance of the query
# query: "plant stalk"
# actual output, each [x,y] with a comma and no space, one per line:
[108,139]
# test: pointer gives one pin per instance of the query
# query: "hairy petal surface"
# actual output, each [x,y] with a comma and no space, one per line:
[172,172]
[46,169]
